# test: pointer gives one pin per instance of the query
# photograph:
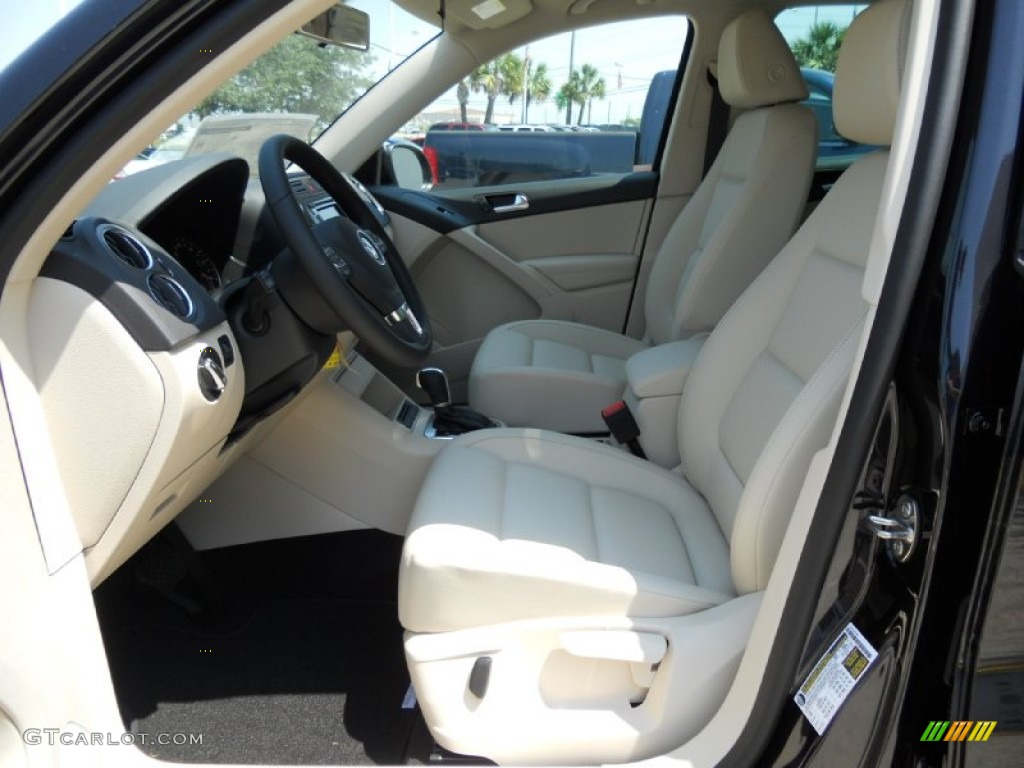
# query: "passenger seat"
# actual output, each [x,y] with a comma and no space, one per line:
[559,375]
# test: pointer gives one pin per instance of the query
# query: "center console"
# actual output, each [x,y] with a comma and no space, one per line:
[442,421]
[351,454]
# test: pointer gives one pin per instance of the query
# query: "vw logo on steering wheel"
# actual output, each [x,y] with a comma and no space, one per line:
[370,246]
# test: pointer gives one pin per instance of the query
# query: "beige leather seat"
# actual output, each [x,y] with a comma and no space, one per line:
[559,375]
[613,598]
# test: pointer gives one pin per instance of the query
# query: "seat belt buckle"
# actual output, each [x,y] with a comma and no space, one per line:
[621,423]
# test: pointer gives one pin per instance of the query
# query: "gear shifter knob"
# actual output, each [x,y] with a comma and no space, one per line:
[434,382]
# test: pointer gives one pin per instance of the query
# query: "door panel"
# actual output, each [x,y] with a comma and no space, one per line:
[664,212]
[574,265]
[575,273]
[572,254]
[468,289]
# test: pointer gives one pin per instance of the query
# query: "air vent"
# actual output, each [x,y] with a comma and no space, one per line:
[169,294]
[125,246]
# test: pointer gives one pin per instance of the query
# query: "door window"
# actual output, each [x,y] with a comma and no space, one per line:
[588,103]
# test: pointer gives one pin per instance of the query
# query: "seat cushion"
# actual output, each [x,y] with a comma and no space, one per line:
[521,524]
[551,374]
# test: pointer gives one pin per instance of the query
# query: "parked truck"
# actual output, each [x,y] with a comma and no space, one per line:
[485,157]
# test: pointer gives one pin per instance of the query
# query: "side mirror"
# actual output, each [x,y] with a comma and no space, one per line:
[340,25]
[405,164]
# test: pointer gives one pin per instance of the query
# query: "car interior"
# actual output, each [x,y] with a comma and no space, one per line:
[558,375]
[345,493]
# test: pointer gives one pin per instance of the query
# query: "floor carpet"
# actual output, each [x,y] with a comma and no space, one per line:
[301,662]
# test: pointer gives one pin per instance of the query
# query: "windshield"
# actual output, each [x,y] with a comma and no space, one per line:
[299,87]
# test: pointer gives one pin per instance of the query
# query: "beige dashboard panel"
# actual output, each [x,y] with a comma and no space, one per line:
[101,396]
[188,452]
[133,437]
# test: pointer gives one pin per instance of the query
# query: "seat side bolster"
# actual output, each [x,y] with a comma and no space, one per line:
[771,491]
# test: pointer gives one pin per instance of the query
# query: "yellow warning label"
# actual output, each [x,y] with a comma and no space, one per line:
[337,358]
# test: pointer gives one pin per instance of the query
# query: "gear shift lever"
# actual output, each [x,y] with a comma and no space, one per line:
[434,382]
[449,420]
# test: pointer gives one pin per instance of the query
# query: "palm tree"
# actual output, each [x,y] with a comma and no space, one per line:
[569,94]
[584,85]
[512,71]
[820,49]
[520,78]
[487,78]
[591,86]
[462,94]
[538,86]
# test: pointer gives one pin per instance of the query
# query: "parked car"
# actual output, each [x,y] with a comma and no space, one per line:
[544,153]
[242,133]
[173,149]
[485,158]
[461,127]
[234,530]
[524,128]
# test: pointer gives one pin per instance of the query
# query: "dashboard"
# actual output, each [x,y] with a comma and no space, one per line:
[189,209]
[208,214]
[176,251]
[161,272]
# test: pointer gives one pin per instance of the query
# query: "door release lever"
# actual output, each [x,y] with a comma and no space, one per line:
[520,202]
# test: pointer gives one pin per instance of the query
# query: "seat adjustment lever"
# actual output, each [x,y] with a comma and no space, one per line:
[480,676]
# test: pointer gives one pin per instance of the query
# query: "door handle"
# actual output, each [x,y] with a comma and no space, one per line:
[520,202]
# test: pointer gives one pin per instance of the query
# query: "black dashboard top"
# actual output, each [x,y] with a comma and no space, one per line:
[156,247]
[151,248]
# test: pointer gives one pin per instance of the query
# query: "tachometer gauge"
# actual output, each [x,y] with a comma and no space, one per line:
[197,261]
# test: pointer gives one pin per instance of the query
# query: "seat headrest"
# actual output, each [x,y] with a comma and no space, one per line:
[755,65]
[869,73]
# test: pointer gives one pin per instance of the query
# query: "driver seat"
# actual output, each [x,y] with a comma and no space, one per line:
[559,375]
[566,602]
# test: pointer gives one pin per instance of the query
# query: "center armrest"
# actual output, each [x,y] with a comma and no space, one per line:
[661,371]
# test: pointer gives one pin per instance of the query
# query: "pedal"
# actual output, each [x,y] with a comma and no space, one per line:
[169,565]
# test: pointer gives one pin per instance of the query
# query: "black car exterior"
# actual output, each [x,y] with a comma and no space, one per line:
[955,408]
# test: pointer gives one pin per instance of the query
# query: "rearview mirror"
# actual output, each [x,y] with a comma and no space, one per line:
[340,25]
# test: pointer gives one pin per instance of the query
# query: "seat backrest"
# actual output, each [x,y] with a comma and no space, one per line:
[765,391]
[751,199]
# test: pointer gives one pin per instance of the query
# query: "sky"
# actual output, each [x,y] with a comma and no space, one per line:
[28,20]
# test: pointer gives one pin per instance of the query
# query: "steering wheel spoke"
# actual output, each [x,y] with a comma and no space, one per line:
[403,317]
[340,265]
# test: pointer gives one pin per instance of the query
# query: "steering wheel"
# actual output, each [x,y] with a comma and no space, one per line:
[350,258]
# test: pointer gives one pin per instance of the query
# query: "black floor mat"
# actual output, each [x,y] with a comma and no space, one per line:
[304,664]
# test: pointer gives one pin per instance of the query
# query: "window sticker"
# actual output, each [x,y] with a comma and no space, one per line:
[834,676]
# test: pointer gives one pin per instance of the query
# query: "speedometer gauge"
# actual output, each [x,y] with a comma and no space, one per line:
[197,261]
